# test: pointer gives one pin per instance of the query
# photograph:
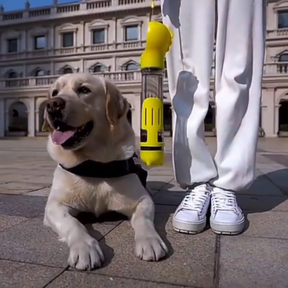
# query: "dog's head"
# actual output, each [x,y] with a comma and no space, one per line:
[83,108]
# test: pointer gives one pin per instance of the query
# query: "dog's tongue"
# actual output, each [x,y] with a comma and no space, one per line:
[59,137]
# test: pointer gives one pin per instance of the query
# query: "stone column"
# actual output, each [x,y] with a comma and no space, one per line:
[25,41]
[83,44]
[276,121]
[31,118]
[82,64]
[52,39]
[52,72]
[2,117]
[269,113]
[115,31]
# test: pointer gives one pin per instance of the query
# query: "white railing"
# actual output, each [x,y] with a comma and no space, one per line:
[275,69]
[123,77]
[133,45]
[45,81]
[72,9]
[283,32]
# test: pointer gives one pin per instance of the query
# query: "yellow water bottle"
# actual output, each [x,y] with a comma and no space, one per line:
[159,39]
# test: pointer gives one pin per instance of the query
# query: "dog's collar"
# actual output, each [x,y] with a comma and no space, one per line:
[112,169]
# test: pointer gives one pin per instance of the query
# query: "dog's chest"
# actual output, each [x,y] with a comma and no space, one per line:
[88,197]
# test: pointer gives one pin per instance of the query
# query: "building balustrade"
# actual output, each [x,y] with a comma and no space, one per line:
[122,77]
[45,81]
[71,10]
[70,51]
[283,32]
[275,69]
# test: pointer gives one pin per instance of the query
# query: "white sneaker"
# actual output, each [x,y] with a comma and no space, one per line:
[190,216]
[226,215]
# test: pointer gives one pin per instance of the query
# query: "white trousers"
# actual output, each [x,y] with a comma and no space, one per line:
[240,46]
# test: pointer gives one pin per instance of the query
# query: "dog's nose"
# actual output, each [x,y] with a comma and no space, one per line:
[55,105]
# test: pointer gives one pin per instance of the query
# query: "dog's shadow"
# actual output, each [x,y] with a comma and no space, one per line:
[88,219]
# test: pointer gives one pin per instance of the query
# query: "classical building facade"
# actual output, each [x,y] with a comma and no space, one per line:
[107,37]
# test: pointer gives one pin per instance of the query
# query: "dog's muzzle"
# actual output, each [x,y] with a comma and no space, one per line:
[55,108]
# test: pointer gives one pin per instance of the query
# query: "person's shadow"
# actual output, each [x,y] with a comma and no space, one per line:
[253,201]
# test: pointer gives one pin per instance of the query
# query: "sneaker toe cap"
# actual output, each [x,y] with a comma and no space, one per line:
[228,217]
[187,216]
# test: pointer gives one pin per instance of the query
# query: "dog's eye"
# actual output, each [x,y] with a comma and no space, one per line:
[54,93]
[84,90]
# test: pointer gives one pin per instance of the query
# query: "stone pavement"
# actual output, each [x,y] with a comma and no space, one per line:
[32,257]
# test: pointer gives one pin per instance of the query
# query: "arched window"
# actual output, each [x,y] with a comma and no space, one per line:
[131,67]
[18,117]
[283,67]
[39,73]
[67,70]
[283,117]
[283,57]
[98,68]
[12,74]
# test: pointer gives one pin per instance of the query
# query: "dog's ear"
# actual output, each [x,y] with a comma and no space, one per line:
[116,105]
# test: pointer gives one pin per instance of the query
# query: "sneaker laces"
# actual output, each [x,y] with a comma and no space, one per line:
[223,200]
[195,198]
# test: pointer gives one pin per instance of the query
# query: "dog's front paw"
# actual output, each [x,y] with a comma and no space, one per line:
[85,254]
[150,247]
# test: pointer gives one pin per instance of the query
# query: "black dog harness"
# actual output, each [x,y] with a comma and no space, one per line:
[112,169]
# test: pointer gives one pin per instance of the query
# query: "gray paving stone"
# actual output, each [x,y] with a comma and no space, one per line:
[23,275]
[247,262]
[263,186]
[248,201]
[34,243]
[19,187]
[191,259]
[158,182]
[22,206]
[42,180]
[9,221]
[11,177]
[258,204]
[268,224]
[41,192]
[85,280]
[169,197]
[280,179]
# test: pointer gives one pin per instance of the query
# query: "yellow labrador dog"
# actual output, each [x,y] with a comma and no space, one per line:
[86,117]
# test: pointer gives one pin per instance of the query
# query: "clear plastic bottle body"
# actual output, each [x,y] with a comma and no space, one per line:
[152,83]
[152,87]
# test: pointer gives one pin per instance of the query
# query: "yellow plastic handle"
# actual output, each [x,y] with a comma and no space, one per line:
[159,40]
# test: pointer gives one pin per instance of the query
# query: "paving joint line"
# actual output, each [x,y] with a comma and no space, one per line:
[137,279]
[54,278]
[262,237]
[32,263]
[216,269]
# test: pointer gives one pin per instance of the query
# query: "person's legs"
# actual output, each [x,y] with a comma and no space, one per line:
[189,68]
[240,45]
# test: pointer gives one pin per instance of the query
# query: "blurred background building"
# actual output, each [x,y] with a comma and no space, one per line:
[107,37]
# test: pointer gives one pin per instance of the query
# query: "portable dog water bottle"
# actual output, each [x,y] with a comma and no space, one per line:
[159,39]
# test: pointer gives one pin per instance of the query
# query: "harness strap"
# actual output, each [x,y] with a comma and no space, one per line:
[112,169]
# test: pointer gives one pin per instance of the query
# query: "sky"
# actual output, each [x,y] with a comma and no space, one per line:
[10,5]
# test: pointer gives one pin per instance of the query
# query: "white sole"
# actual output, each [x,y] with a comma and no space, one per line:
[224,229]
[188,227]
